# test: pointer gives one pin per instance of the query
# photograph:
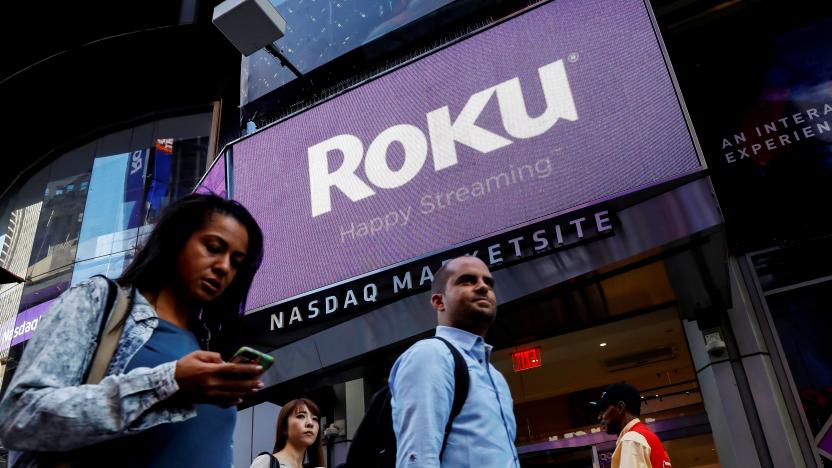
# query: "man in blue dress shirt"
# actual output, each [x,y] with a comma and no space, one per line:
[422,381]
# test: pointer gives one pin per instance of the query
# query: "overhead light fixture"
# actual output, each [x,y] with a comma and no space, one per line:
[249,24]
[252,25]
[602,345]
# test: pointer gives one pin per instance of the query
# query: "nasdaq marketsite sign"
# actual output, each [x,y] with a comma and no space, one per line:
[566,105]
[301,315]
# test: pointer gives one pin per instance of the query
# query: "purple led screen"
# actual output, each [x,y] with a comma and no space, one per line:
[214,180]
[825,440]
[25,324]
[563,106]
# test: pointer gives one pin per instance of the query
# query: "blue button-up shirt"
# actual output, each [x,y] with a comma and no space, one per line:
[422,388]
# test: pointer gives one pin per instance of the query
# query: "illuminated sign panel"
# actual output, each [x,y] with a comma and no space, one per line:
[526,359]
[25,324]
[566,105]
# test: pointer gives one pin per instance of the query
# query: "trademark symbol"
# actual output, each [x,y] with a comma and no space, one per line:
[573,57]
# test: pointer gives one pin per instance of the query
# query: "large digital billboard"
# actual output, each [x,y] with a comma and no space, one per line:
[563,106]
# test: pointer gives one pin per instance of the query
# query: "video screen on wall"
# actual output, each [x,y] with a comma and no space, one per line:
[530,118]
[761,101]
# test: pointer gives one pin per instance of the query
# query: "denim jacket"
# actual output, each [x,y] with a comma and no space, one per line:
[46,407]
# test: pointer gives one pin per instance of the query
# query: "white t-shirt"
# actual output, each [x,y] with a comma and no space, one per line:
[263,461]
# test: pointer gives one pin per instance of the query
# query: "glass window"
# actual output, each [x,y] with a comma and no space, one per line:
[108,265]
[128,190]
[88,210]
[783,268]
[105,213]
[45,287]
[802,320]
[797,287]
[56,233]
[320,31]
[19,222]
[58,227]
[9,301]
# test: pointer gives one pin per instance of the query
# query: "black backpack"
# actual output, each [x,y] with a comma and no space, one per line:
[374,442]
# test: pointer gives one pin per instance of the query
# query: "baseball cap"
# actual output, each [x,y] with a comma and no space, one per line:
[618,392]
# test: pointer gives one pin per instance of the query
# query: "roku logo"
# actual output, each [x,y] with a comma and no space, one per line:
[443,135]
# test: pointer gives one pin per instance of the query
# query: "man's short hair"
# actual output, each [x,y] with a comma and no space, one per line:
[440,278]
[633,406]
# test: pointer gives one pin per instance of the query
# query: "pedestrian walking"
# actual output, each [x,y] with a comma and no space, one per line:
[297,438]
[162,395]
[637,446]
[422,381]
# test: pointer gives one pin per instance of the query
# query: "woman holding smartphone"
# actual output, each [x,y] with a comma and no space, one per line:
[167,397]
[298,436]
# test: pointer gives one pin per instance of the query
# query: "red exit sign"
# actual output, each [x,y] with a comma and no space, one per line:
[526,359]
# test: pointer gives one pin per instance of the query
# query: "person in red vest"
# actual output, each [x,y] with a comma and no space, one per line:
[637,446]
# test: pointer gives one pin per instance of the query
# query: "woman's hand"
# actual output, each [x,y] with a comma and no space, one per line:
[205,378]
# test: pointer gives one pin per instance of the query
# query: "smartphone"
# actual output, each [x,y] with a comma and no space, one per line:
[246,355]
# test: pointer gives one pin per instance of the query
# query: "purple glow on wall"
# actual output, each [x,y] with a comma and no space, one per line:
[596,66]
[214,180]
[825,437]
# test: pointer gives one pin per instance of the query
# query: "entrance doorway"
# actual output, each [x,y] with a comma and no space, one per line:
[618,325]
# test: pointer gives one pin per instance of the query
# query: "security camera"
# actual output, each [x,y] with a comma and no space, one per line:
[249,24]
[715,345]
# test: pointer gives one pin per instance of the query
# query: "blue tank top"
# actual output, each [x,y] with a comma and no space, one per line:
[203,441]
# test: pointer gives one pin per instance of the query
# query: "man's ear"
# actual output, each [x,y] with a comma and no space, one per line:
[438,302]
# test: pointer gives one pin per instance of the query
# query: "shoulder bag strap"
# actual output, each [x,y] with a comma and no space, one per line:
[112,326]
[273,463]
[461,384]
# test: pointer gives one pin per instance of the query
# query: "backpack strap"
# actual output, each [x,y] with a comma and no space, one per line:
[109,334]
[461,383]
[273,463]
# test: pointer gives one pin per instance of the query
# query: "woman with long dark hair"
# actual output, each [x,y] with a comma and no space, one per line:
[297,437]
[167,397]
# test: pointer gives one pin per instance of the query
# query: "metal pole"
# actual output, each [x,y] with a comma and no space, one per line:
[283,61]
